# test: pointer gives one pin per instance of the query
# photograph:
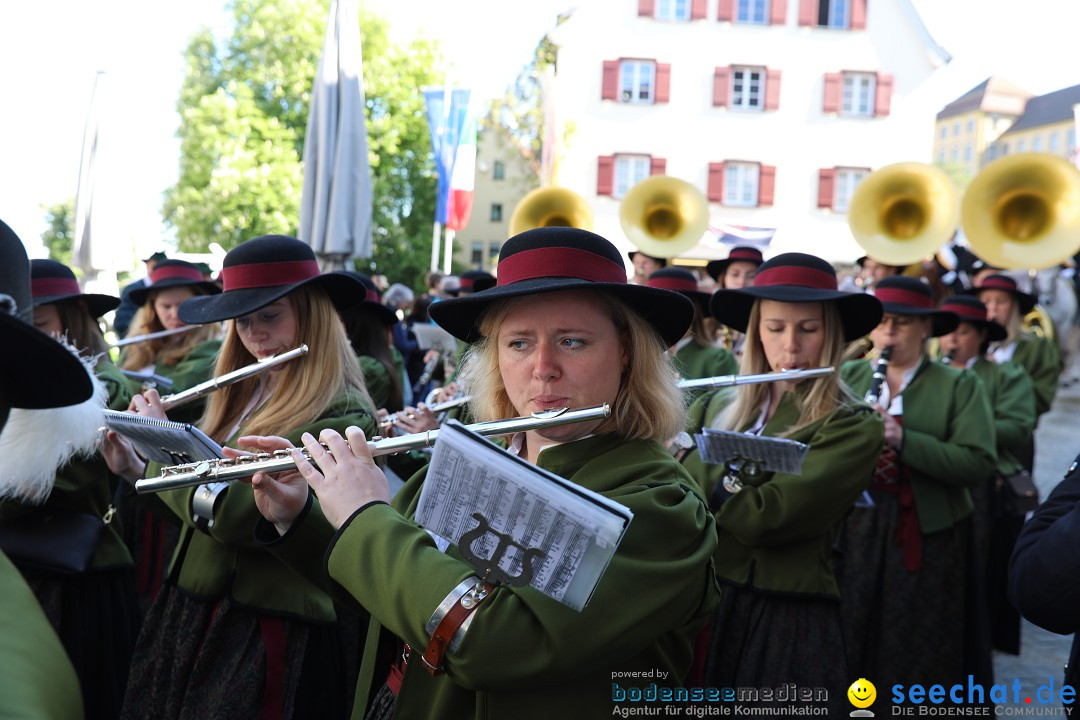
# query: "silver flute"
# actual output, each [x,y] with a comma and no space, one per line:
[225,469]
[197,391]
[153,336]
[729,380]
[436,408]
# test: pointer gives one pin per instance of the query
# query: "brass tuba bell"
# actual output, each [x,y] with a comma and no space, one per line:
[1023,212]
[663,216]
[903,213]
[551,207]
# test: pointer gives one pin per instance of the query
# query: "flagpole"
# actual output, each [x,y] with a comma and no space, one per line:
[435,230]
[448,251]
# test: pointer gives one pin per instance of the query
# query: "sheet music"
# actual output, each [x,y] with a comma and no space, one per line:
[576,529]
[163,441]
[718,447]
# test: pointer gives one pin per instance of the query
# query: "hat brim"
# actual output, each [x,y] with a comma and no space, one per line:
[943,321]
[42,373]
[1025,301]
[995,332]
[98,305]
[859,313]
[716,268]
[669,313]
[342,289]
[139,295]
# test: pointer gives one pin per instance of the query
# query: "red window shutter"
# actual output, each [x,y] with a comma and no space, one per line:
[725,12]
[766,185]
[663,82]
[778,12]
[826,181]
[697,9]
[858,14]
[716,182]
[883,96]
[772,89]
[833,83]
[646,8]
[808,12]
[657,166]
[609,89]
[721,87]
[605,175]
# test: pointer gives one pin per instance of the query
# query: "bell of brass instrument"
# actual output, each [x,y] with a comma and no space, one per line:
[721,381]
[197,391]
[551,207]
[903,213]
[663,216]
[877,381]
[207,471]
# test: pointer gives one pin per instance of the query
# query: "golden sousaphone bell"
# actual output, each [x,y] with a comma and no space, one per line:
[902,213]
[1023,212]
[551,207]
[663,216]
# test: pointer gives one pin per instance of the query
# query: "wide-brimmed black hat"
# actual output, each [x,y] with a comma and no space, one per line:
[372,298]
[681,281]
[630,256]
[897,269]
[37,372]
[797,277]
[259,271]
[172,274]
[971,310]
[550,259]
[51,282]
[903,295]
[156,257]
[476,280]
[742,253]
[1025,301]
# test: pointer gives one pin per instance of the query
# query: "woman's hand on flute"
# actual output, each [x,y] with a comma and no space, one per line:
[347,477]
[149,404]
[280,497]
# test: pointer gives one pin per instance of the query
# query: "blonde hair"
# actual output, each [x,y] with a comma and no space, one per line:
[307,386]
[162,350]
[705,327]
[648,405]
[815,398]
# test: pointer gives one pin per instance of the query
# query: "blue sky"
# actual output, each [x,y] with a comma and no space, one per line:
[50,51]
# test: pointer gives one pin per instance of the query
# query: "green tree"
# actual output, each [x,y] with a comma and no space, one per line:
[244,106]
[60,237]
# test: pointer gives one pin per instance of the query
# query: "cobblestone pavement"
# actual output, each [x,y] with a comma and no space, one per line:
[1043,654]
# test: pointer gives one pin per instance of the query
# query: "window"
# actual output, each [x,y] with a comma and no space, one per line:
[629,171]
[1037,143]
[637,78]
[496,212]
[498,171]
[969,152]
[1070,141]
[493,253]
[1054,140]
[971,125]
[476,259]
[741,184]
[955,153]
[835,13]
[858,94]
[846,180]
[1003,149]
[1021,145]
[991,152]
[956,128]
[944,132]
[755,12]
[673,10]
[746,88]
[941,155]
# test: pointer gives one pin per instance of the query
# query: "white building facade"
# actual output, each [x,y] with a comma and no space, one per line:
[774,109]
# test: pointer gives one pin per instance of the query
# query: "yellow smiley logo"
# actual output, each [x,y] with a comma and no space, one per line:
[862,693]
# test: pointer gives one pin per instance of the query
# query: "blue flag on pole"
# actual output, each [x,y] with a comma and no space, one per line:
[446,111]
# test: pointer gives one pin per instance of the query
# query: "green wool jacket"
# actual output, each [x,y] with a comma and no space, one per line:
[949,440]
[526,655]
[1042,361]
[196,367]
[1012,399]
[87,485]
[38,681]
[776,533]
[377,379]
[228,561]
[694,361]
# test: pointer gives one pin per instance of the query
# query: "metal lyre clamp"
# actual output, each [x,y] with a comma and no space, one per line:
[739,470]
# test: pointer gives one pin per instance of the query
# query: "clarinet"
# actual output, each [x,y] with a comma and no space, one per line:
[947,357]
[878,379]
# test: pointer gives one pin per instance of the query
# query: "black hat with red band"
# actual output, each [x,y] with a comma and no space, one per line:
[551,259]
[372,298]
[51,282]
[1025,301]
[741,253]
[681,281]
[259,271]
[903,295]
[971,310]
[476,281]
[171,274]
[797,278]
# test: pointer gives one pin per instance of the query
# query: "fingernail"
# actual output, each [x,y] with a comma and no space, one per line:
[307,437]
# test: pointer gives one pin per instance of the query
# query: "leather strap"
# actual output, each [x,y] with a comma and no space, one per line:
[446,635]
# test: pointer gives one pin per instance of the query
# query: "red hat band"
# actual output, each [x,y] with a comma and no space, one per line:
[49,286]
[559,262]
[795,275]
[998,282]
[269,274]
[175,271]
[965,312]
[676,284]
[745,254]
[900,296]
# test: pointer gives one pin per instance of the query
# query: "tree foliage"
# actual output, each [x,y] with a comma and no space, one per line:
[244,106]
[59,238]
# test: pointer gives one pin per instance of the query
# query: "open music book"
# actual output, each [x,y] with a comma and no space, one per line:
[518,524]
[163,441]
[781,455]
